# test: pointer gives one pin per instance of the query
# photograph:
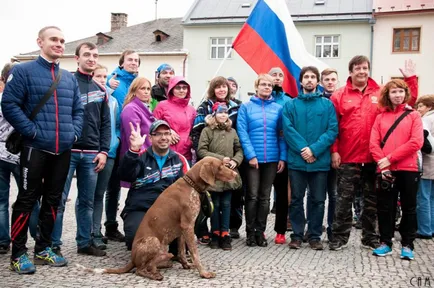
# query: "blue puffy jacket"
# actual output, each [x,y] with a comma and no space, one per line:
[125,79]
[309,121]
[58,124]
[259,127]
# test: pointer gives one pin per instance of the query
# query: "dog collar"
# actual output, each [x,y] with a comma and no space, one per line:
[192,184]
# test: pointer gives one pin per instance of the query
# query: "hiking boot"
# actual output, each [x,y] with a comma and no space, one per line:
[48,257]
[382,251]
[225,243]
[280,239]
[261,241]
[4,249]
[115,235]
[273,209]
[407,253]
[91,250]
[295,244]
[214,244]
[251,241]
[337,245]
[22,265]
[371,245]
[98,243]
[316,245]
[234,233]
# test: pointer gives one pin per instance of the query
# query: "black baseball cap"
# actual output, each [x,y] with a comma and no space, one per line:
[156,124]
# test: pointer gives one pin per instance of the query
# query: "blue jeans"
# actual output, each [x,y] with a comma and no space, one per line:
[317,184]
[101,187]
[222,211]
[86,183]
[425,208]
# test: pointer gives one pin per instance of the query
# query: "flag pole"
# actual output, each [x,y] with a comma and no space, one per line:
[216,73]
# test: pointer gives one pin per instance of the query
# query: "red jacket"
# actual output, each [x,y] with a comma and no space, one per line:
[403,144]
[356,112]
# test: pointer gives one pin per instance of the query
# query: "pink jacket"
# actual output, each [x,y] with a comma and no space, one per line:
[403,144]
[180,116]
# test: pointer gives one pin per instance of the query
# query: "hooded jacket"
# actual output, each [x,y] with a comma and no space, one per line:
[59,123]
[402,146]
[158,93]
[309,121]
[96,133]
[179,115]
[125,79]
[135,112]
[356,112]
[259,127]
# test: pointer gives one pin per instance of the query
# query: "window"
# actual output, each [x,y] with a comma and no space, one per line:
[327,46]
[406,39]
[219,47]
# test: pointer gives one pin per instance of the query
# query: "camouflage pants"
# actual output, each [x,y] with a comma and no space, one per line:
[353,177]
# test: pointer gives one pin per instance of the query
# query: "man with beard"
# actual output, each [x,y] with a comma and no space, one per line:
[89,153]
[310,128]
[165,72]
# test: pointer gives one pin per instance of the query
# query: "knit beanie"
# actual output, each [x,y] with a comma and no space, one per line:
[163,67]
[233,80]
[219,107]
[275,70]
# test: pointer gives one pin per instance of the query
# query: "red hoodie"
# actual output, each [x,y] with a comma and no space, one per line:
[180,116]
[356,112]
[403,144]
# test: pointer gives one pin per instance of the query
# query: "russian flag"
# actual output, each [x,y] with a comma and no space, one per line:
[269,39]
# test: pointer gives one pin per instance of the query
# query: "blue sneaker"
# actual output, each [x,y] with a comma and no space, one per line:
[382,251]
[22,265]
[407,253]
[48,257]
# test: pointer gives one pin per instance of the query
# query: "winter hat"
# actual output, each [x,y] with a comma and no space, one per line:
[219,107]
[163,67]
[275,70]
[233,80]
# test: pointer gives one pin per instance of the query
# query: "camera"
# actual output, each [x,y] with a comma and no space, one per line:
[387,181]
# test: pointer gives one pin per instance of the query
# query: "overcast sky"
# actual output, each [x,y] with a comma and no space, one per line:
[20,20]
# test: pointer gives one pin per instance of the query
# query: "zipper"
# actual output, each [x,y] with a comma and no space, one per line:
[57,111]
[265,131]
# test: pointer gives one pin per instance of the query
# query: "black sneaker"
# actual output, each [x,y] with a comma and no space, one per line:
[337,245]
[115,235]
[214,244]
[234,233]
[371,245]
[91,250]
[4,249]
[225,243]
[261,241]
[251,241]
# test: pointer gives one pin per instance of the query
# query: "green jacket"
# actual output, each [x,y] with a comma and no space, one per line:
[219,143]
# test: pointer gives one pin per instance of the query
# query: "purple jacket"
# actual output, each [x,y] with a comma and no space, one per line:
[135,112]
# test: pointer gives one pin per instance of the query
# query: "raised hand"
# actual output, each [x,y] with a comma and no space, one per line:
[136,139]
[409,69]
[113,82]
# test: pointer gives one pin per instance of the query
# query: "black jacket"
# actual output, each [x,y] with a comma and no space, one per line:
[148,182]
[158,93]
[96,133]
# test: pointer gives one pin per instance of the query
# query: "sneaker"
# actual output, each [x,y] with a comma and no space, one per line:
[295,244]
[371,245]
[115,235]
[407,253]
[280,239]
[382,251]
[251,241]
[48,257]
[225,243]
[98,243]
[336,245]
[234,233]
[214,244]
[91,250]
[316,245]
[22,265]
[205,240]
[4,249]
[56,250]
[261,240]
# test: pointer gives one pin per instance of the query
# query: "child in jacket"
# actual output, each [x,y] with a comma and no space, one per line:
[221,141]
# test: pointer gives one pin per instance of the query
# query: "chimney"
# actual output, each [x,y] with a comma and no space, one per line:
[118,21]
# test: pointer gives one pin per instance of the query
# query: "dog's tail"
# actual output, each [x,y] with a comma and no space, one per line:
[122,270]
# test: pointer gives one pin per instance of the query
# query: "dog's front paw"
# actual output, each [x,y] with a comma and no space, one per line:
[186,265]
[207,275]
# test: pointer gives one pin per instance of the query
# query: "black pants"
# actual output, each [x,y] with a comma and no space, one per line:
[112,196]
[407,184]
[37,165]
[281,187]
[259,183]
[237,201]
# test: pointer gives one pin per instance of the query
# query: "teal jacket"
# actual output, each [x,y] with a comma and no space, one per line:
[309,121]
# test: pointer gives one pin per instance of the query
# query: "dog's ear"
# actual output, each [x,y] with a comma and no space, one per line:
[207,174]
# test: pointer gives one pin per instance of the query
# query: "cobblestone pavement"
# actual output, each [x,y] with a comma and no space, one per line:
[274,266]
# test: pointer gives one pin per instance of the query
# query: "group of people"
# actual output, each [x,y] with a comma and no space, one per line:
[117,130]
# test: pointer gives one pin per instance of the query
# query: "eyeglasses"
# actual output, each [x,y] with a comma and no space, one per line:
[266,85]
[161,134]
[181,87]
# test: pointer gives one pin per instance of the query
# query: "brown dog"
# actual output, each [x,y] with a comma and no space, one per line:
[172,216]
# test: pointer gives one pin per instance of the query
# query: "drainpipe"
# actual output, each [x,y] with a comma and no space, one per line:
[372,22]
[183,64]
